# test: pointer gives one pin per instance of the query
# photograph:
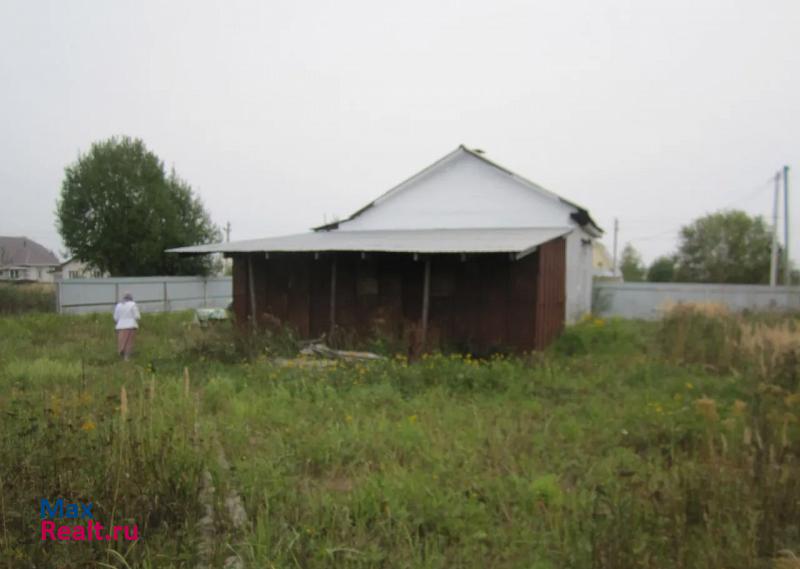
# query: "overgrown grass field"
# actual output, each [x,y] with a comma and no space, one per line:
[627,444]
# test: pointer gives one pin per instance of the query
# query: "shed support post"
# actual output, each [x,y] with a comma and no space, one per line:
[251,292]
[426,295]
[333,299]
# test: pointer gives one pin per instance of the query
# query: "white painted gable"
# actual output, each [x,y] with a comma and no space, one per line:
[463,190]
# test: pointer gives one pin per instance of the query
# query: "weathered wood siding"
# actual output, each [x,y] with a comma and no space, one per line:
[550,293]
[480,304]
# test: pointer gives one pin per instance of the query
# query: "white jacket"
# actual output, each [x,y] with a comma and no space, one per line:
[126,315]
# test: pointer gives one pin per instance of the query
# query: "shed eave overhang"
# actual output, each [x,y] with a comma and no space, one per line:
[419,241]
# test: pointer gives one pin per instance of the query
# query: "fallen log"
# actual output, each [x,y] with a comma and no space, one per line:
[324,351]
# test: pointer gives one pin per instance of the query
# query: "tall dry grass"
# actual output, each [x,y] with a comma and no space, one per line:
[27,297]
[760,441]
[711,335]
[772,350]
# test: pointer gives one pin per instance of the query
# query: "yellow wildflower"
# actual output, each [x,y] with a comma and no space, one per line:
[88,426]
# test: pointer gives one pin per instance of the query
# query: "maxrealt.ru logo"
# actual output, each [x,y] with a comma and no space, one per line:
[87,531]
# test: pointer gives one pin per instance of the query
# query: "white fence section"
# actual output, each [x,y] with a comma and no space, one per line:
[648,300]
[152,294]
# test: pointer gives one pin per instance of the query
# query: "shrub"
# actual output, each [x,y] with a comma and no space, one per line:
[21,298]
[599,335]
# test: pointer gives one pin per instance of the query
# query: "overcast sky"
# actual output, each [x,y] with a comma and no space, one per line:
[281,113]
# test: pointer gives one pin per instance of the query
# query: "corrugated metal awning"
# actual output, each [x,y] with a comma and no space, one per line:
[500,240]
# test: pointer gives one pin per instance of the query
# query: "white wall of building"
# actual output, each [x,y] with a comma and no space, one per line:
[41,274]
[580,271]
[74,269]
[463,192]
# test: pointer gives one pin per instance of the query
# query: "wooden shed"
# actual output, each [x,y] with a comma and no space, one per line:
[465,254]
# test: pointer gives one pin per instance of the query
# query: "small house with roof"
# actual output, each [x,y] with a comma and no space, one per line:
[464,254]
[22,259]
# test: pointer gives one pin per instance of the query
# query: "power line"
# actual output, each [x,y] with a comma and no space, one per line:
[668,233]
[749,194]
[765,185]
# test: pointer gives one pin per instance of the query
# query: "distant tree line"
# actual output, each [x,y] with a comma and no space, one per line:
[728,247]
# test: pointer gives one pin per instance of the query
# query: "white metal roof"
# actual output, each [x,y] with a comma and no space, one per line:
[501,240]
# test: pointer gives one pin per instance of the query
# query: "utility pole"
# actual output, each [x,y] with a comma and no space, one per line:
[228,232]
[773,261]
[787,272]
[616,231]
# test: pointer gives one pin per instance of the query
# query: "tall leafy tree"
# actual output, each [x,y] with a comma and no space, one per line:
[631,265]
[662,270]
[119,210]
[725,247]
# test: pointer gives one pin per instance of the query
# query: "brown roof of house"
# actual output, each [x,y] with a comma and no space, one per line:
[21,251]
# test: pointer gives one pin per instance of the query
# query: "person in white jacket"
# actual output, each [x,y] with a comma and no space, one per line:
[126,316]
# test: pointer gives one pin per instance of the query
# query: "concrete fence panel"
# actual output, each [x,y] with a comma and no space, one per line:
[648,300]
[152,294]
